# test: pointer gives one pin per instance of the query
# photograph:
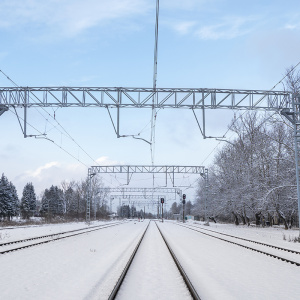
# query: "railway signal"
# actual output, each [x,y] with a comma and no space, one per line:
[162,201]
[183,207]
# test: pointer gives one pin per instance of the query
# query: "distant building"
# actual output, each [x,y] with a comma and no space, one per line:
[113,216]
[177,216]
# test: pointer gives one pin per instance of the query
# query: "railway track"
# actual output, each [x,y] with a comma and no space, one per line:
[187,281]
[30,242]
[283,254]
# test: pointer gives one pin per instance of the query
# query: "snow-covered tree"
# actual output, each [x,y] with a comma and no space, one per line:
[28,201]
[14,205]
[9,202]
[53,202]
[252,176]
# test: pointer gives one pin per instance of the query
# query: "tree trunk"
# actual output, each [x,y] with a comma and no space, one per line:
[286,227]
[243,219]
[236,219]
[257,219]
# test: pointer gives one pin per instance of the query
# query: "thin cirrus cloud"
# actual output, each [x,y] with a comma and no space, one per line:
[68,17]
[185,27]
[227,28]
[292,26]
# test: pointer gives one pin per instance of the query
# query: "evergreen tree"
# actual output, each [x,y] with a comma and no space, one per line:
[4,195]
[53,202]
[45,203]
[8,198]
[28,201]
[14,204]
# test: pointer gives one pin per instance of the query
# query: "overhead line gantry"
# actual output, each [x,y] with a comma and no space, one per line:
[122,97]
[284,102]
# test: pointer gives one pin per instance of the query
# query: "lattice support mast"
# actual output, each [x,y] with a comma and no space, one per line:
[296,123]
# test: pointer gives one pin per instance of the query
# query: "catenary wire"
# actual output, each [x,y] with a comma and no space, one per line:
[65,134]
[266,119]
[65,131]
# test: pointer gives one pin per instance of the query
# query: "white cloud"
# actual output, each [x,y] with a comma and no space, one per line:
[105,161]
[228,29]
[184,27]
[67,17]
[184,5]
[292,26]
[53,173]
[36,173]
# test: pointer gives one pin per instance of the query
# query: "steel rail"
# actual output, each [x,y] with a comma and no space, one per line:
[125,270]
[180,268]
[53,239]
[51,235]
[250,241]
[244,246]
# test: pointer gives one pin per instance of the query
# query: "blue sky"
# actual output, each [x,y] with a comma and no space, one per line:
[205,44]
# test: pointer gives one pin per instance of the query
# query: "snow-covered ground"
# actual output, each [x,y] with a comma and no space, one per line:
[219,270]
[87,266]
[277,236]
[153,273]
[81,267]
[16,233]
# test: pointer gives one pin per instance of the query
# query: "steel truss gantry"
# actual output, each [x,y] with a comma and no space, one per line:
[130,169]
[140,198]
[136,196]
[143,190]
[141,202]
[153,192]
[189,98]
[144,169]
[120,97]
[154,98]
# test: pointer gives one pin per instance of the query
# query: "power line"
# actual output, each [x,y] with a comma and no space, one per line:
[51,141]
[246,111]
[65,134]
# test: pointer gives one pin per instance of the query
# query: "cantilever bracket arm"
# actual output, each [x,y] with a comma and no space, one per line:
[117,128]
[288,114]
[3,109]
[202,132]
[112,121]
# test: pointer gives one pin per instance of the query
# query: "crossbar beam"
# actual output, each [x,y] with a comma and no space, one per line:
[122,97]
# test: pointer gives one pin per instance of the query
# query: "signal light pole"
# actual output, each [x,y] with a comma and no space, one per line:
[183,207]
[162,200]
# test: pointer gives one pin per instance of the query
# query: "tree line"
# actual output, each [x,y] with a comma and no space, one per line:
[253,178]
[67,200]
